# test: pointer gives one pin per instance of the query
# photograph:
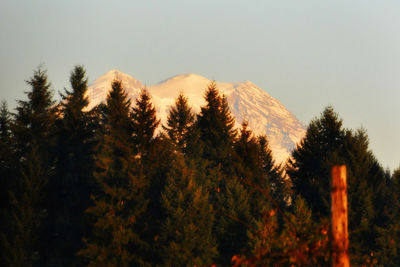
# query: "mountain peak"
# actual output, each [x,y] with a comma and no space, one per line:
[186,77]
[98,91]
[115,74]
[265,114]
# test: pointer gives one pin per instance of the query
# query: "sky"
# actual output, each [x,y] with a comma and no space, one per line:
[307,54]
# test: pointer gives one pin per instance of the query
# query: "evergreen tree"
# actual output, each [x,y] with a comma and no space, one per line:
[187,231]
[273,175]
[325,144]
[309,170]
[144,123]
[179,121]
[249,170]
[362,180]
[7,165]
[396,192]
[35,118]
[155,155]
[302,242]
[160,157]
[247,152]
[216,128]
[120,203]
[389,236]
[216,134]
[233,218]
[70,187]
[23,245]
[388,240]
[256,168]
[7,174]
[5,122]
[33,131]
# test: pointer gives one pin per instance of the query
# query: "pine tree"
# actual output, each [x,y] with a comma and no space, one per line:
[70,187]
[120,203]
[155,154]
[309,170]
[187,232]
[7,175]
[144,123]
[389,236]
[247,152]
[5,122]
[396,192]
[256,168]
[233,218]
[325,144]
[7,164]
[248,168]
[33,131]
[35,118]
[303,241]
[24,243]
[388,240]
[160,157]
[366,193]
[180,120]
[216,127]
[273,175]
[216,134]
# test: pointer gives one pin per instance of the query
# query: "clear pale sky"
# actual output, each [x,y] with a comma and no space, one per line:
[307,54]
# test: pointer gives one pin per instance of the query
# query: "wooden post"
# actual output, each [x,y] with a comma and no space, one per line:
[339,234]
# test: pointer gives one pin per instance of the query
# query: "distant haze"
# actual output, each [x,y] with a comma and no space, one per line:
[306,54]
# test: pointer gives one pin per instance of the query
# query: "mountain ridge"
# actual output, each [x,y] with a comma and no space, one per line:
[247,101]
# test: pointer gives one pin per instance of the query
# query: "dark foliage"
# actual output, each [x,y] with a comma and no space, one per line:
[102,187]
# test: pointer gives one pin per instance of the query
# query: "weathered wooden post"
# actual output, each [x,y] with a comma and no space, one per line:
[339,234]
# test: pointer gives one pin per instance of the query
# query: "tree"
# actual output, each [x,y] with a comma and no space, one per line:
[35,118]
[187,232]
[229,197]
[309,168]
[326,144]
[71,186]
[160,157]
[180,120]
[5,122]
[34,135]
[144,122]
[233,218]
[273,175]
[24,244]
[256,169]
[120,203]
[7,164]
[302,242]
[216,128]
[388,240]
[361,180]
[7,174]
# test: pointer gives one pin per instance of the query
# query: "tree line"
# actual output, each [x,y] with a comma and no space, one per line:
[100,188]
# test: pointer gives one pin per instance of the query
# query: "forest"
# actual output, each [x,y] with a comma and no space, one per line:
[111,186]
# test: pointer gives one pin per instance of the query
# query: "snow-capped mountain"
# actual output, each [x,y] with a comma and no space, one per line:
[247,101]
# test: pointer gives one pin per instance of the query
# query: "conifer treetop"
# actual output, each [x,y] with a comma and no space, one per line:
[180,119]
[144,121]
[76,98]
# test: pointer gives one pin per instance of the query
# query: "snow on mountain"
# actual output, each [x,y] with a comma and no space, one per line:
[98,91]
[247,101]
